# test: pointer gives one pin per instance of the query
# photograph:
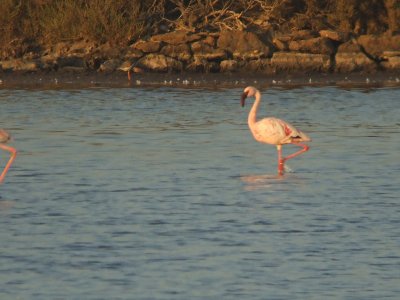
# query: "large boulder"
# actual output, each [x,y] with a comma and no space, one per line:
[180,51]
[258,65]
[337,36]
[107,51]
[229,65]
[375,45]
[202,49]
[282,42]
[20,65]
[110,65]
[147,46]
[81,47]
[391,60]
[71,61]
[243,45]
[320,45]
[350,57]
[296,61]
[303,34]
[133,53]
[199,64]
[350,62]
[160,63]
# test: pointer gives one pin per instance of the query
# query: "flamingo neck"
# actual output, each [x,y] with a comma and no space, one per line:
[252,119]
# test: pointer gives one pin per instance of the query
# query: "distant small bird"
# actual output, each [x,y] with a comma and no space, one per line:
[129,68]
[4,138]
[272,130]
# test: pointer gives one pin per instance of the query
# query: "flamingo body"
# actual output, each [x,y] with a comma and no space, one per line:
[273,130]
[4,138]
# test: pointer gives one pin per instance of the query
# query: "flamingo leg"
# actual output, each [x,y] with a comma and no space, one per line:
[304,149]
[281,159]
[13,152]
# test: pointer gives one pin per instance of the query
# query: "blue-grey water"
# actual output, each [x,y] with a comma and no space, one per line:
[161,193]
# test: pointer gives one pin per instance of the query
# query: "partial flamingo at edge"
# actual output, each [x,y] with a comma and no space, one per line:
[4,138]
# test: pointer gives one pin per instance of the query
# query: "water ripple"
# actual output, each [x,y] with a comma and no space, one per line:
[162,193]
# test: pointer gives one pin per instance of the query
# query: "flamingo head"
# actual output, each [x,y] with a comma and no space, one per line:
[250,91]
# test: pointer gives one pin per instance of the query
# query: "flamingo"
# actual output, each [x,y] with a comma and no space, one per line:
[4,138]
[273,131]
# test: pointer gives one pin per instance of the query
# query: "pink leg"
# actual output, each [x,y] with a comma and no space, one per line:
[305,148]
[10,161]
[281,160]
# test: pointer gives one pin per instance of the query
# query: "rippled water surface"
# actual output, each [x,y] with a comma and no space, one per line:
[161,193]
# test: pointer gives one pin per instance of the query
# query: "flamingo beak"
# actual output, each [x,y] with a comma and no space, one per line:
[243,98]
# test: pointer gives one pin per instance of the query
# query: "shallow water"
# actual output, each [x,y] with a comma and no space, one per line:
[161,193]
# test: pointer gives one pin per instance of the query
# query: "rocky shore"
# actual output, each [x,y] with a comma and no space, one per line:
[227,52]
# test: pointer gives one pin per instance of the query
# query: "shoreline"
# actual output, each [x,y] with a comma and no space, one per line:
[68,80]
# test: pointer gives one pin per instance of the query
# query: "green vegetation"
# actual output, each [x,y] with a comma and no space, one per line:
[44,22]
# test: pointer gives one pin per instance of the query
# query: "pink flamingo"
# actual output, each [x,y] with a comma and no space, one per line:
[4,138]
[273,131]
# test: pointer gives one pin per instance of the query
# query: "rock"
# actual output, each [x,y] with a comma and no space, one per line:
[387,54]
[242,45]
[180,52]
[349,47]
[71,61]
[304,34]
[295,61]
[282,44]
[147,46]
[49,62]
[202,65]
[82,47]
[202,50]
[229,65]
[110,65]
[375,45]
[20,47]
[176,37]
[350,58]
[133,53]
[336,36]
[391,60]
[392,63]
[20,65]
[160,63]
[318,45]
[353,61]
[259,65]
[60,49]
[108,51]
